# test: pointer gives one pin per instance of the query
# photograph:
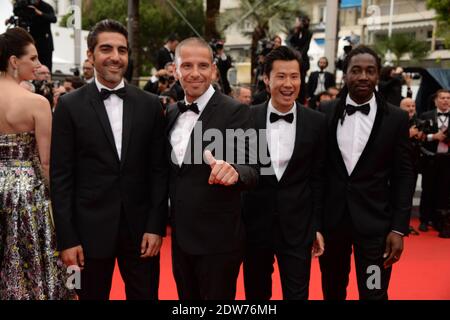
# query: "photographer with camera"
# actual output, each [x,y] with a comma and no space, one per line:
[390,85]
[223,63]
[417,131]
[434,202]
[35,16]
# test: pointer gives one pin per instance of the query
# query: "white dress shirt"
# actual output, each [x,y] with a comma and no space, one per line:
[280,139]
[442,123]
[114,109]
[181,131]
[353,134]
[320,83]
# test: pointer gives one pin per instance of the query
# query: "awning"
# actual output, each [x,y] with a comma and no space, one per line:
[350,3]
[404,25]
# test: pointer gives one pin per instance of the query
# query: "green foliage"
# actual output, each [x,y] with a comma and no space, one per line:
[260,19]
[273,15]
[157,20]
[442,8]
[400,44]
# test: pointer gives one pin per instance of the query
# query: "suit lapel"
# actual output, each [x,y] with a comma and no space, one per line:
[261,127]
[337,112]
[100,110]
[204,119]
[128,110]
[172,116]
[299,123]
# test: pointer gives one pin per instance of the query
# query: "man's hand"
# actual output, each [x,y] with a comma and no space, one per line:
[151,243]
[221,171]
[394,249]
[318,245]
[413,131]
[36,10]
[440,136]
[73,257]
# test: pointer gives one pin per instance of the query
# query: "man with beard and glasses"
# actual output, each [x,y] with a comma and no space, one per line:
[109,174]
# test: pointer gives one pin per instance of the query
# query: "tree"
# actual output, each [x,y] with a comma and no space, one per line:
[400,44]
[133,36]
[157,19]
[212,12]
[442,8]
[266,17]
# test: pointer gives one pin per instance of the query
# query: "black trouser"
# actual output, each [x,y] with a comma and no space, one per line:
[435,187]
[141,275]
[205,277]
[372,278]
[294,264]
[46,57]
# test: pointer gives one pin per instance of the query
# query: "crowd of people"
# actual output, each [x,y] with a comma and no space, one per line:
[93,169]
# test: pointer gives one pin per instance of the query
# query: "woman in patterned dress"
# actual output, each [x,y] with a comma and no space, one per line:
[30,267]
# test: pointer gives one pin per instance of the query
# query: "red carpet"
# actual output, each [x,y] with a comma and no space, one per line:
[423,273]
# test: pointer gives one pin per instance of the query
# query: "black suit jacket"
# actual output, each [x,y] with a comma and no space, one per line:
[40,27]
[378,193]
[297,199]
[91,186]
[207,218]
[431,117]
[314,79]
[163,58]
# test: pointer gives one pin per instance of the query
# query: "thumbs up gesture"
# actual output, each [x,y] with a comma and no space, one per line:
[221,171]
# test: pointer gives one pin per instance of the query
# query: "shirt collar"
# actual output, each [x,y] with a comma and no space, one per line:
[101,86]
[372,102]
[203,100]
[271,108]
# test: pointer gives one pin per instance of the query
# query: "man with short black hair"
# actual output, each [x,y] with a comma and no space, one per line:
[283,213]
[435,175]
[370,183]
[109,174]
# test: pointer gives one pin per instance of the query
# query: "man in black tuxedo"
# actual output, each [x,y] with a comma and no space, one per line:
[207,234]
[166,53]
[320,81]
[109,174]
[41,15]
[435,177]
[370,183]
[282,214]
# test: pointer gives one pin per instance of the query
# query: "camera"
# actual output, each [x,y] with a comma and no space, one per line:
[265,46]
[45,89]
[421,125]
[216,44]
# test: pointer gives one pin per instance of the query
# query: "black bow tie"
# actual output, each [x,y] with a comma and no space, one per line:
[351,109]
[287,117]
[443,114]
[183,107]
[121,93]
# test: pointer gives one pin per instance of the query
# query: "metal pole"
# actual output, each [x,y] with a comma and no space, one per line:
[331,32]
[391,15]
[77,34]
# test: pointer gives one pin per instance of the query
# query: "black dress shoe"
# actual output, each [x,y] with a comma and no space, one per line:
[423,227]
